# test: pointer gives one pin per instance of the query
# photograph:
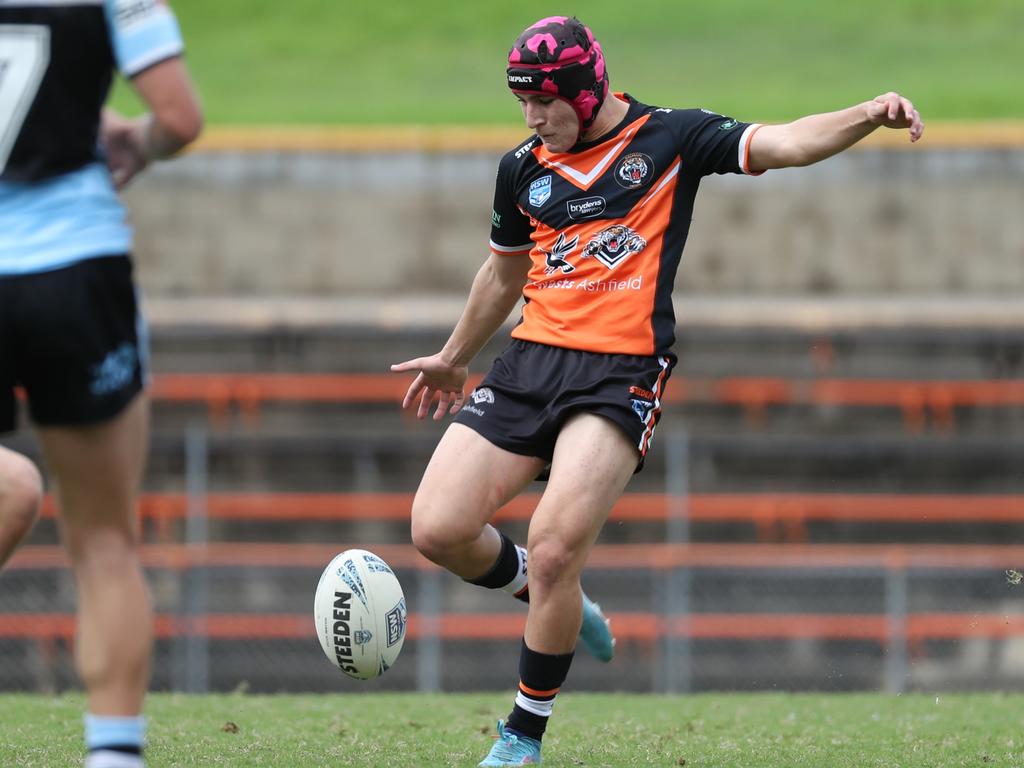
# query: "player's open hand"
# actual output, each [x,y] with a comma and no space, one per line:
[894,111]
[435,377]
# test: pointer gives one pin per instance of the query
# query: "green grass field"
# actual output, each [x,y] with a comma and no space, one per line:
[402,61]
[722,730]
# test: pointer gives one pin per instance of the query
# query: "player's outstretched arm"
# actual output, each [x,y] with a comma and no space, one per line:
[815,137]
[496,290]
[173,121]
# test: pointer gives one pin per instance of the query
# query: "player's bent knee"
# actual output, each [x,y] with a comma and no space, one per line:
[22,494]
[435,542]
[438,535]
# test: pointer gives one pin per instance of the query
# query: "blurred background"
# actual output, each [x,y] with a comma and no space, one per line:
[835,500]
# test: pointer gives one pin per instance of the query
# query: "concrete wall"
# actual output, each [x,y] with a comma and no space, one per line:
[872,221]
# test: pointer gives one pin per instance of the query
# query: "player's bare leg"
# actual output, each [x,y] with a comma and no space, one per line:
[592,463]
[97,472]
[21,491]
[466,482]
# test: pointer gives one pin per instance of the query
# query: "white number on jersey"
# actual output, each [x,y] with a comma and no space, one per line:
[24,56]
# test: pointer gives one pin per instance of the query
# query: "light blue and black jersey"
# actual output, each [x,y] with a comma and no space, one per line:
[57,58]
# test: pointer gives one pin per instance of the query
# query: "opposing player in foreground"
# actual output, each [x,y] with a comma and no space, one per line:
[70,329]
[590,217]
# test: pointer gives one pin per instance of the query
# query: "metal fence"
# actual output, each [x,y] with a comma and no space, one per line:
[234,602]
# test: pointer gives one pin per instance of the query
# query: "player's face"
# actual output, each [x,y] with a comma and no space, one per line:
[552,119]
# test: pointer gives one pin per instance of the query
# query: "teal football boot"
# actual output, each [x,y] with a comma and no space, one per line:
[596,632]
[512,749]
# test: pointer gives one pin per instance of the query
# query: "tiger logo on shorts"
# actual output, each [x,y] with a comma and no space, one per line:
[482,395]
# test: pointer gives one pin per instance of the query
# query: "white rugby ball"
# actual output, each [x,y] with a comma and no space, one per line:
[360,614]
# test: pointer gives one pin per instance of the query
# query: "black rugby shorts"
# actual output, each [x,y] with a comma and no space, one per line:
[532,389]
[73,338]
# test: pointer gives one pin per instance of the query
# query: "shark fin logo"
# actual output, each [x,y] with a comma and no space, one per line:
[117,370]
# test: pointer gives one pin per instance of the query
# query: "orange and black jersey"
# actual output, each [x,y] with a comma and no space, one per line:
[605,225]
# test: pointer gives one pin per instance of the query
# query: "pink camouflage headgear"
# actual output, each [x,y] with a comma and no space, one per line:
[558,56]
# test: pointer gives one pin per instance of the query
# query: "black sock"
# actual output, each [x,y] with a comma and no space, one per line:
[127,749]
[508,572]
[540,678]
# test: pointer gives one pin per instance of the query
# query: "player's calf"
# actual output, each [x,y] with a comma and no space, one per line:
[21,492]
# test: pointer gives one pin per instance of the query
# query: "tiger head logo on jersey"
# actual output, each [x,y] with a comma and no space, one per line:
[633,170]
[612,245]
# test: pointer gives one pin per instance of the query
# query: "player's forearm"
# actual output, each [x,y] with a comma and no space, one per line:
[175,117]
[491,299]
[164,138]
[809,139]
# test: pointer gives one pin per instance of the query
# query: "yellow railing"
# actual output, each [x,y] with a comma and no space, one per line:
[499,138]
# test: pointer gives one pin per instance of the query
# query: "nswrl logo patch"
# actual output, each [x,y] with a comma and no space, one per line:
[362,636]
[540,191]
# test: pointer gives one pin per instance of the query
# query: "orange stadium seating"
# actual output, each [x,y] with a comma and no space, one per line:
[631,626]
[779,519]
[775,515]
[915,399]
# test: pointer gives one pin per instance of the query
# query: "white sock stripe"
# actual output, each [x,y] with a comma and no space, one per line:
[542,708]
[108,758]
[516,585]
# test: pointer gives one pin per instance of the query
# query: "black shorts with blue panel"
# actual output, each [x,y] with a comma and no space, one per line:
[73,339]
